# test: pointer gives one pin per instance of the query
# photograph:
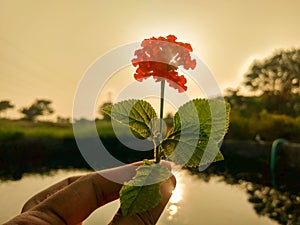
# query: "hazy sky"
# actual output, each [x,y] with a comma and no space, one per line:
[46,46]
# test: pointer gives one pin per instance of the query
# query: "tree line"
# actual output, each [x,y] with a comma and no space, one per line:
[270,108]
[40,107]
[273,85]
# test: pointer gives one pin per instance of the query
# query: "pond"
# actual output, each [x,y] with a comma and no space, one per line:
[197,199]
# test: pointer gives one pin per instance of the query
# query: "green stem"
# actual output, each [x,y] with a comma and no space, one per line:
[162,96]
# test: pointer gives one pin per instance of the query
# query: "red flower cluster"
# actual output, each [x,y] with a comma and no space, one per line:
[160,58]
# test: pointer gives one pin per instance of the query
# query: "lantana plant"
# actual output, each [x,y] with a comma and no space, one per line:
[193,140]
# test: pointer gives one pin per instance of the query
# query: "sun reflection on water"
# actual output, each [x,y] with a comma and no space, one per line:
[176,197]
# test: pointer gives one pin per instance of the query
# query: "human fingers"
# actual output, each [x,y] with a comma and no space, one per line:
[151,216]
[44,194]
[75,202]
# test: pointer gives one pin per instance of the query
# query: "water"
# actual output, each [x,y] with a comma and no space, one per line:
[194,201]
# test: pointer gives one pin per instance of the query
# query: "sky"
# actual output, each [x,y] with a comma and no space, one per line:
[46,46]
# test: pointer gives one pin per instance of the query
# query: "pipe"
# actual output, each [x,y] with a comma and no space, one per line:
[274,150]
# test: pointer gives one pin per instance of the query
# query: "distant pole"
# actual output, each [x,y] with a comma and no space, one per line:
[109,94]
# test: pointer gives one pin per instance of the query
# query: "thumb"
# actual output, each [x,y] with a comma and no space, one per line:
[150,216]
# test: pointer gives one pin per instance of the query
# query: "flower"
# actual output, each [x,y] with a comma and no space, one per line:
[160,57]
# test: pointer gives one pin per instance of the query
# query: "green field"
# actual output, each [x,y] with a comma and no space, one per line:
[269,126]
[16,129]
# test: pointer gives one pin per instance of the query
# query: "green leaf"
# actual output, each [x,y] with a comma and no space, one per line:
[136,114]
[143,191]
[199,126]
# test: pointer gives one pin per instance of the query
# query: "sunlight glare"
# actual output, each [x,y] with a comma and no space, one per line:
[176,197]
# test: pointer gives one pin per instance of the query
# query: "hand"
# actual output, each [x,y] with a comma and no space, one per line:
[72,200]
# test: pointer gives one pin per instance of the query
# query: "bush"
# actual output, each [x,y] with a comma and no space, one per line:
[267,125]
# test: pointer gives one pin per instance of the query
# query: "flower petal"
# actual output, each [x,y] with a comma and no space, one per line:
[160,58]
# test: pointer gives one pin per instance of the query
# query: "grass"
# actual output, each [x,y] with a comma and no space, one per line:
[269,126]
[15,129]
[27,129]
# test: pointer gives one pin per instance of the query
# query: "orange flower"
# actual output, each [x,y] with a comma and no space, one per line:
[160,57]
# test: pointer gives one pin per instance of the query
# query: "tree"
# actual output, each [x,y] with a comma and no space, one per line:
[246,106]
[5,105]
[277,80]
[63,120]
[38,108]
